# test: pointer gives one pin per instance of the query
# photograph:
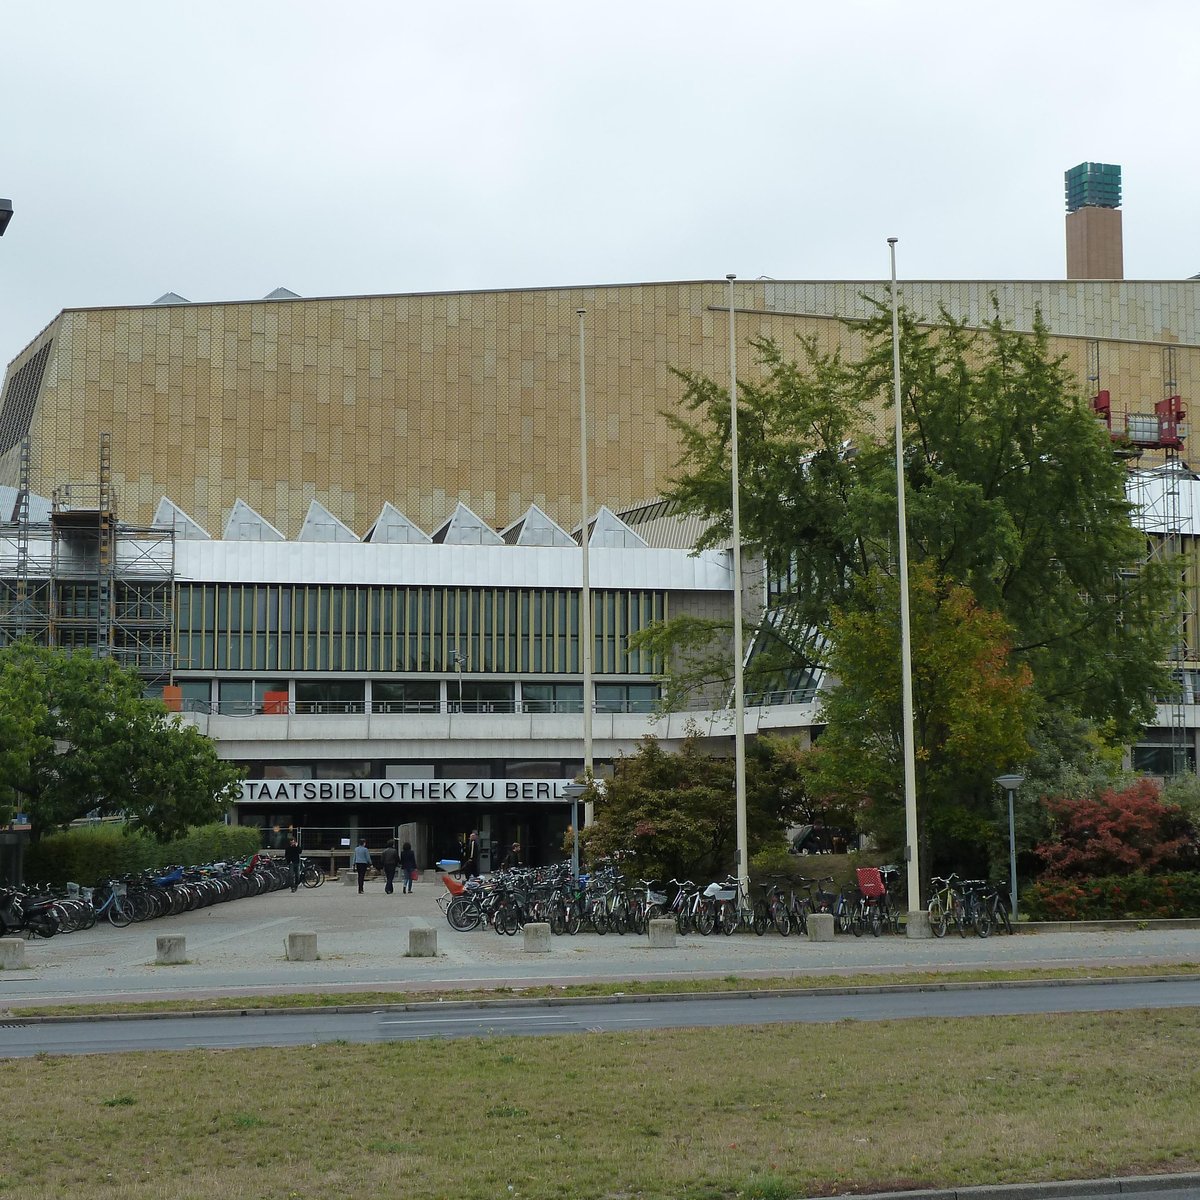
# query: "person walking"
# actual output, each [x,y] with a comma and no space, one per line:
[408,864]
[470,864]
[362,860]
[513,857]
[389,860]
[291,856]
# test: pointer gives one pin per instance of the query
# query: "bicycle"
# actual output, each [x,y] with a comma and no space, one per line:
[996,898]
[112,902]
[945,904]
[771,909]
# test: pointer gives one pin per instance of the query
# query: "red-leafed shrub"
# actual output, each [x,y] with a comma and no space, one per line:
[1116,833]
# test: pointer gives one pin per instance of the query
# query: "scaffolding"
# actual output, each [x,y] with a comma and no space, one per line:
[1154,490]
[82,580]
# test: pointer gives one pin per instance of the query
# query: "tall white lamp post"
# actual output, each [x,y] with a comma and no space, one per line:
[1010,783]
[918,923]
[739,701]
[585,595]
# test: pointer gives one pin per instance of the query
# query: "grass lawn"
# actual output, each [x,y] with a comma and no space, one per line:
[763,1112]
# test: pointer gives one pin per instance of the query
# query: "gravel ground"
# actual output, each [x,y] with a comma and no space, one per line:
[238,948]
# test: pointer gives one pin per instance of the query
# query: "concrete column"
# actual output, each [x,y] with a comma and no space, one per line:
[12,953]
[170,950]
[820,927]
[301,947]
[422,943]
[537,938]
[662,934]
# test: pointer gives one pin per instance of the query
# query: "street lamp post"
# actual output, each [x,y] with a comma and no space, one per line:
[917,925]
[585,596]
[739,700]
[1010,783]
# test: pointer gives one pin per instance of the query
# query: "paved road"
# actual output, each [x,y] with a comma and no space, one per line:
[238,949]
[434,1020]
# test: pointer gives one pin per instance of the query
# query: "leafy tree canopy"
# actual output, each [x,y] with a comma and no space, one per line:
[91,743]
[971,707]
[1012,490]
[674,813]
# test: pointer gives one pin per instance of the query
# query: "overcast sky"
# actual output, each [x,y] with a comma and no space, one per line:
[220,149]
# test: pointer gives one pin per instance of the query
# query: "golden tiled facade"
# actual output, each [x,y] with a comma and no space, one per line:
[430,399]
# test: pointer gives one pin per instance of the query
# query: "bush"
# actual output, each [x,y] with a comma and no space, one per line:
[1137,895]
[94,853]
[1116,833]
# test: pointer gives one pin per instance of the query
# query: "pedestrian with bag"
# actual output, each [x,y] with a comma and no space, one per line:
[362,860]
[408,864]
[389,860]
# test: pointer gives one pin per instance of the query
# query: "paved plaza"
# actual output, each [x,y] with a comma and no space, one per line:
[238,948]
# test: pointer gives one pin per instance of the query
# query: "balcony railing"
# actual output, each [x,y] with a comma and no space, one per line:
[323,708]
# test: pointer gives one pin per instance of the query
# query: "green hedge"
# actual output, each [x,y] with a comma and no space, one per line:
[92,854]
[1113,897]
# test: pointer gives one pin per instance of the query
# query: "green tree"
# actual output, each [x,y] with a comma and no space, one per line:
[971,706]
[97,745]
[1013,490]
[22,713]
[674,813]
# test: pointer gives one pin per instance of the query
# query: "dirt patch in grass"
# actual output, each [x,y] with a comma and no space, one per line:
[763,1111]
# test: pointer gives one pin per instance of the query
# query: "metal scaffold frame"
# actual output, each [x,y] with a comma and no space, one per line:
[85,581]
[1155,492]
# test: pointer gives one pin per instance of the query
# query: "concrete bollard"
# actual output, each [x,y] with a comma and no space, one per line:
[349,877]
[301,947]
[170,950]
[12,953]
[820,927]
[422,943]
[662,934]
[916,925]
[537,938]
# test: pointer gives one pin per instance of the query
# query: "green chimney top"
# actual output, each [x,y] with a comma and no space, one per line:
[1093,185]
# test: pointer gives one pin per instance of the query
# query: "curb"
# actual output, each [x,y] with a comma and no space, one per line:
[1129,1186]
[882,989]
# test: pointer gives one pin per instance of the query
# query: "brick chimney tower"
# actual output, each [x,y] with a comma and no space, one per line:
[1094,248]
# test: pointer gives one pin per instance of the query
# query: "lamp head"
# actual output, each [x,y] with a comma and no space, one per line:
[6,212]
[1010,783]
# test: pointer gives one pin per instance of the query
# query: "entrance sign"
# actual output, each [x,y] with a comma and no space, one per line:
[437,791]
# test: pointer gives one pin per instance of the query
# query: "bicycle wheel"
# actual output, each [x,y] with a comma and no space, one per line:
[937,918]
[800,920]
[313,877]
[119,915]
[706,919]
[573,921]
[463,915]
[982,921]
[730,917]
[960,918]
[782,921]
[599,917]
[843,919]
[875,919]
[762,918]
[683,922]
[857,922]
[511,920]
[1000,916]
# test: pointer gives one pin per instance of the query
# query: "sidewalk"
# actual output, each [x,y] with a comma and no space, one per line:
[362,940]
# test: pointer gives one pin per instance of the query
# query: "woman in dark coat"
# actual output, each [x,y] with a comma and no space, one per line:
[408,864]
